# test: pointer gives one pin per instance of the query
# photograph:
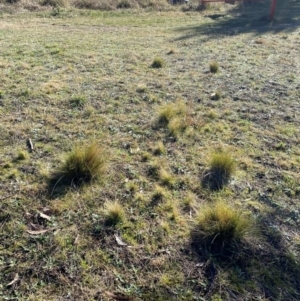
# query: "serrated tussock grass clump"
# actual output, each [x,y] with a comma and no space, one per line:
[216,95]
[214,67]
[82,165]
[158,62]
[166,178]
[141,88]
[169,111]
[219,225]
[159,149]
[159,194]
[124,4]
[22,155]
[221,168]
[153,169]
[114,213]
[78,101]
[177,126]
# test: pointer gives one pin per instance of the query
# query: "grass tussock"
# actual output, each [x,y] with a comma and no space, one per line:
[114,213]
[168,112]
[218,226]
[121,4]
[159,149]
[221,168]
[177,126]
[166,178]
[55,3]
[21,156]
[158,62]
[124,4]
[214,67]
[82,165]
[78,101]
[159,195]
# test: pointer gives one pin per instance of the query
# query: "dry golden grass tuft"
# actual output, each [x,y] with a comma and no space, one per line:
[214,67]
[114,213]
[169,111]
[221,168]
[159,149]
[219,225]
[158,62]
[82,165]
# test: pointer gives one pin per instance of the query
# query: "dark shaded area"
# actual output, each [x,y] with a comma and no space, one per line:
[248,17]
[262,266]
[214,179]
[59,185]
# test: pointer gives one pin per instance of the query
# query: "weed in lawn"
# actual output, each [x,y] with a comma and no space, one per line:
[153,169]
[114,213]
[14,174]
[159,194]
[22,155]
[211,115]
[280,146]
[169,111]
[55,3]
[78,101]
[165,226]
[216,95]
[159,149]
[131,186]
[214,67]
[166,178]
[174,215]
[139,198]
[124,4]
[171,51]
[141,88]
[219,225]
[177,126]
[189,202]
[88,111]
[82,165]
[158,62]
[221,168]
[145,156]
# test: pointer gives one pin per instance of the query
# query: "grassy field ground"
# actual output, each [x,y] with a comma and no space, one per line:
[71,77]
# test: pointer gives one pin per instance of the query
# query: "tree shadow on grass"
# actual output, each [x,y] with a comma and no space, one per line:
[263,267]
[252,18]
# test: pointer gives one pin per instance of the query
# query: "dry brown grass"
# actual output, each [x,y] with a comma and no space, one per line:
[82,165]
[219,226]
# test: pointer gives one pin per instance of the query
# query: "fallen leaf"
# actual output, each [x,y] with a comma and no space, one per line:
[76,240]
[16,278]
[28,215]
[42,215]
[47,211]
[37,232]
[117,297]
[119,240]
[34,226]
